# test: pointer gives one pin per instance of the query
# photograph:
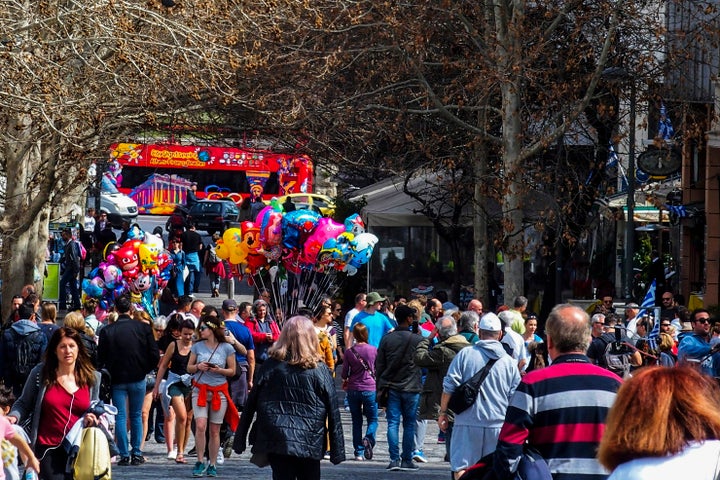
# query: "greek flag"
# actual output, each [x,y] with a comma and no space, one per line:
[678,210]
[612,159]
[648,304]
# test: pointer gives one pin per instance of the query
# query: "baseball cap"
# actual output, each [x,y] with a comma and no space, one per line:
[490,323]
[229,305]
[374,297]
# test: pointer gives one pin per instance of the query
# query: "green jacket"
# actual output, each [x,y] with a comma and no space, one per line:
[436,360]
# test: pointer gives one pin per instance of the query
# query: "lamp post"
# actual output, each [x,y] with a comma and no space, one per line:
[630,224]
[618,75]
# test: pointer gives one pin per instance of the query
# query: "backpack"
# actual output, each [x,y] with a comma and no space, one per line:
[616,359]
[27,353]
[93,457]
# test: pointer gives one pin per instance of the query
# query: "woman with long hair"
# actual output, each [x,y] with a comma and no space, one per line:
[174,363]
[288,438]
[358,374]
[58,392]
[211,362]
[48,316]
[663,425]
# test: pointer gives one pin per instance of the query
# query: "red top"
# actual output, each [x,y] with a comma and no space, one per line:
[60,410]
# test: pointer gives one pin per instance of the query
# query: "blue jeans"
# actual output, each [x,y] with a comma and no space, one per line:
[129,396]
[405,404]
[360,403]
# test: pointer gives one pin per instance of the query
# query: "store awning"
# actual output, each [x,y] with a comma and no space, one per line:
[647,214]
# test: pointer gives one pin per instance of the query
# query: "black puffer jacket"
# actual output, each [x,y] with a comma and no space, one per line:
[292,405]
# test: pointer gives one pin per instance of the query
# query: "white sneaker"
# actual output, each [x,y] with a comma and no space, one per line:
[172,454]
[220,458]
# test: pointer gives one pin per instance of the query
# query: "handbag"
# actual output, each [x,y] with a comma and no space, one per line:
[465,395]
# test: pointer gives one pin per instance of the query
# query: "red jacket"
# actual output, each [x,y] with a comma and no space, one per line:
[258,335]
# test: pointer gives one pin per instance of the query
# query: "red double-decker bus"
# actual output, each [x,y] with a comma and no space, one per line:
[158,176]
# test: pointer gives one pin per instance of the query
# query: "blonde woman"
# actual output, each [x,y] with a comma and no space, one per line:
[48,316]
[293,375]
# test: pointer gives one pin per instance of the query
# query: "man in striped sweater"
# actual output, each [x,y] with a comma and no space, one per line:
[560,410]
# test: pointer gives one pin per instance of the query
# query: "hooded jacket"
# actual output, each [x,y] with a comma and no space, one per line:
[495,392]
[15,332]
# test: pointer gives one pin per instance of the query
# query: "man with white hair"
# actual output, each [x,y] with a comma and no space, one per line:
[513,340]
[436,361]
[475,431]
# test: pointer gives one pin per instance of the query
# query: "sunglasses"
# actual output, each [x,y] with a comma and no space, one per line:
[702,320]
[203,328]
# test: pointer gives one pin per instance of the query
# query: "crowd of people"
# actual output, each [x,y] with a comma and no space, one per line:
[570,388]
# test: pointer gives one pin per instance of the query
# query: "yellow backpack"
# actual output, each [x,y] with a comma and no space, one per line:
[93,458]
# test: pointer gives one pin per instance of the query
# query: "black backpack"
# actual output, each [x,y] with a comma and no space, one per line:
[616,359]
[28,353]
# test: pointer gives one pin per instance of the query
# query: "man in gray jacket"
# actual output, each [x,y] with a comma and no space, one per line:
[476,430]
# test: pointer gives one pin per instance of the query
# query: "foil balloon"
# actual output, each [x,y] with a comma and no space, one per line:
[127,259]
[297,225]
[326,229]
[111,275]
[354,224]
[148,255]
[361,248]
[222,250]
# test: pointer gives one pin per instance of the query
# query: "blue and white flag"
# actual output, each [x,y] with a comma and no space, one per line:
[665,127]
[648,304]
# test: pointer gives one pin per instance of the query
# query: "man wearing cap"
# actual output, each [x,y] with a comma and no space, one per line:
[475,431]
[376,323]
[240,338]
[396,371]
[560,410]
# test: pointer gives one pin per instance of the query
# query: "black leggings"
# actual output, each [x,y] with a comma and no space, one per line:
[286,467]
[53,461]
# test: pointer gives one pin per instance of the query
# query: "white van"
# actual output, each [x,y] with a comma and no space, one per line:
[118,206]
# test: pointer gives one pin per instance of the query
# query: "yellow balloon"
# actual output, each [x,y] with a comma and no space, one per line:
[232,237]
[222,250]
[148,256]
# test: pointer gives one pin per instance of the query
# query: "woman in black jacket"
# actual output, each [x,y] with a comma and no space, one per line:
[293,396]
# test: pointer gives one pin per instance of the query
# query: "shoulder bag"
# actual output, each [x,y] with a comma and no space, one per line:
[465,395]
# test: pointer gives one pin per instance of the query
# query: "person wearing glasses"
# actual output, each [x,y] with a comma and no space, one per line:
[668,308]
[695,349]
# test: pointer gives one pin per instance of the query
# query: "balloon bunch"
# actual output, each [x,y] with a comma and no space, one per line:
[297,240]
[300,244]
[140,266]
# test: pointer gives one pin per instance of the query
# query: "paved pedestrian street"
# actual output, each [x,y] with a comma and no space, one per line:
[239,466]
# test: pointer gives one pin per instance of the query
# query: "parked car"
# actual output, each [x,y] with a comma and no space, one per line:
[214,215]
[311,201]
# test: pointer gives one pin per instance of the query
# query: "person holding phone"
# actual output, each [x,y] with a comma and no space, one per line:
[212,361]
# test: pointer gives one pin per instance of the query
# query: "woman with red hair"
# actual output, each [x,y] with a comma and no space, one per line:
[664,424]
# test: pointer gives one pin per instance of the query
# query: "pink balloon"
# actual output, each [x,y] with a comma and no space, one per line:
[326,229]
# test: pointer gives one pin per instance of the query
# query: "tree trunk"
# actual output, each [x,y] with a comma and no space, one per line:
[480,227]
[512,206]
